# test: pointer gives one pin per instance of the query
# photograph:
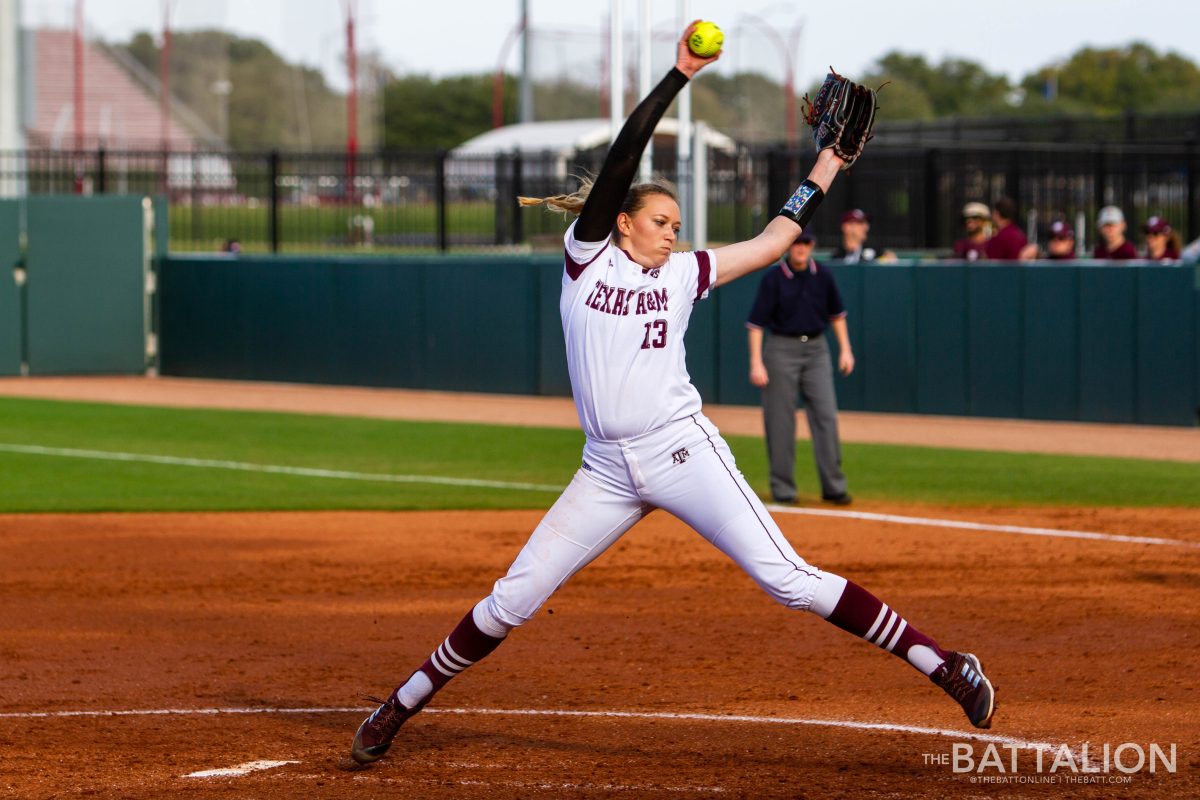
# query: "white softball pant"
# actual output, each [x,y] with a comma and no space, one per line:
[684,468]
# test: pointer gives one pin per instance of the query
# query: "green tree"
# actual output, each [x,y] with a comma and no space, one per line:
[241,88]
[1134,78]
[955,87]
[423,113]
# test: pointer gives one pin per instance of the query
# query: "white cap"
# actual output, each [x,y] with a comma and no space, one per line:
[976,209]
[1110,215]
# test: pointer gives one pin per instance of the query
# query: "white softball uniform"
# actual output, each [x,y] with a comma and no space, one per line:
[648,444]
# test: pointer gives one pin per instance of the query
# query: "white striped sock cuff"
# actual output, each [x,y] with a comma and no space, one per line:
[448,662]
[883,610]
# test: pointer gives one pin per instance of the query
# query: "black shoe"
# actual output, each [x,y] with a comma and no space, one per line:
[962,678]
[374,736]
[843,499]
[784,500]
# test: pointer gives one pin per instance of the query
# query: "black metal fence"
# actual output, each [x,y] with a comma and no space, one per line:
[1127,128]
[412,202]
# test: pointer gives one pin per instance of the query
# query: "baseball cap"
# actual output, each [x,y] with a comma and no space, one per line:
[1110,215]
[1061,230]
[856,215]
[976,211]
[1157,225]
[805,238]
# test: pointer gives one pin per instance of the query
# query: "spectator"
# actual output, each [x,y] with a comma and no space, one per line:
[797,302]
[1061,244]
[1162,242]
[975,218]
[1113,245]
[1007,242]
[232,246]
[856,224]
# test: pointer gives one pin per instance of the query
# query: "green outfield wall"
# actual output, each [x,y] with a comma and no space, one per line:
[10,297]
[1080,342]
[84,305]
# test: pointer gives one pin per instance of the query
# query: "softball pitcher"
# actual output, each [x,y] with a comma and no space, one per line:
[625,304]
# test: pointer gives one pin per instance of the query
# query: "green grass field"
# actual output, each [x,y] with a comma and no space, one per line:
[33,482]
[316,229]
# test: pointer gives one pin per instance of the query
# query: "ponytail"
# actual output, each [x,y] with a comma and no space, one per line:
[564,203]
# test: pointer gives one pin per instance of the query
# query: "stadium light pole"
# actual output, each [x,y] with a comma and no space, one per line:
[350,11]
[526,66]
[498,75]
[683,139]
[786,48]
[646,168]
[78,87]
[164,79]
[79,109]
[616,70]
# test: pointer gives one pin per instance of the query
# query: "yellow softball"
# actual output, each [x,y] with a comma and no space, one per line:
[706,39]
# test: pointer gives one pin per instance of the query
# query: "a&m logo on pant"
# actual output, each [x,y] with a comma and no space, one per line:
[679,456]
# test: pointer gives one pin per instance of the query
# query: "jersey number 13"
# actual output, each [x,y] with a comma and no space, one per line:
[656,334]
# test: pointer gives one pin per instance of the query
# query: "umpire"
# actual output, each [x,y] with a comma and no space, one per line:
[796,303]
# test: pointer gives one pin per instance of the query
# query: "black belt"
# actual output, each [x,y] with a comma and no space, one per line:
[804,337]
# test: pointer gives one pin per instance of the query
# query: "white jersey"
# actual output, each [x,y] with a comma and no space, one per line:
[624,328]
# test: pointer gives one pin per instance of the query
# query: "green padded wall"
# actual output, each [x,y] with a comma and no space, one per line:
[10,299]
[1050,343]
[1107,343]
[887,347]
[994,330]
[1100,343]
[86,296]
[941,320]
[1165,309]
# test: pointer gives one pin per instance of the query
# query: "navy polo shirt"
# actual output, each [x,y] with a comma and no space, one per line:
[796,303]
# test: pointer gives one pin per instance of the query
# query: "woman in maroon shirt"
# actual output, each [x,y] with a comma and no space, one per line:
[1113,245]
[1162,242]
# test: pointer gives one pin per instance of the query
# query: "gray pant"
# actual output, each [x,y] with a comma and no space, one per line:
[797,368]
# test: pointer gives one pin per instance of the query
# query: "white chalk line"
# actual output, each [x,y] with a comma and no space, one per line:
[603,787]
[992,738]
[276,469]
[587,787]
[983,526]
[239,770]
[312,472]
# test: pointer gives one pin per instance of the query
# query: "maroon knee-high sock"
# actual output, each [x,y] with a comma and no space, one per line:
[465,645]
[863,614]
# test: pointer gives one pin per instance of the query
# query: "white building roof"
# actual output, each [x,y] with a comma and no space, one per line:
[564,137]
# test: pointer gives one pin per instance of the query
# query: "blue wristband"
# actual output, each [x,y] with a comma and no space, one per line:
[801,206]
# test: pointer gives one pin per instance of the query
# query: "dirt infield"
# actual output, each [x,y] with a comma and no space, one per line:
[1088,641]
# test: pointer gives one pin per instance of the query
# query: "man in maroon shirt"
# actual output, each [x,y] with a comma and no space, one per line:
[971,247]
[1007,242]
[1113,245]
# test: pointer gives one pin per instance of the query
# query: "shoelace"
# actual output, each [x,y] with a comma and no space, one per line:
[957,686]
[384,716]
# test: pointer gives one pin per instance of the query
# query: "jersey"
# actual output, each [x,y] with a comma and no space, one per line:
[624,329]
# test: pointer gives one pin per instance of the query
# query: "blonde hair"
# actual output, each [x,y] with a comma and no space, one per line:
[564,203]
[573,203]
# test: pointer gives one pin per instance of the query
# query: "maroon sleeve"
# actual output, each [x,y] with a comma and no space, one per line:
[705,277]
[574,268]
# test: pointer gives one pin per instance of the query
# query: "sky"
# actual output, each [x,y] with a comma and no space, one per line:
[1013,37]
